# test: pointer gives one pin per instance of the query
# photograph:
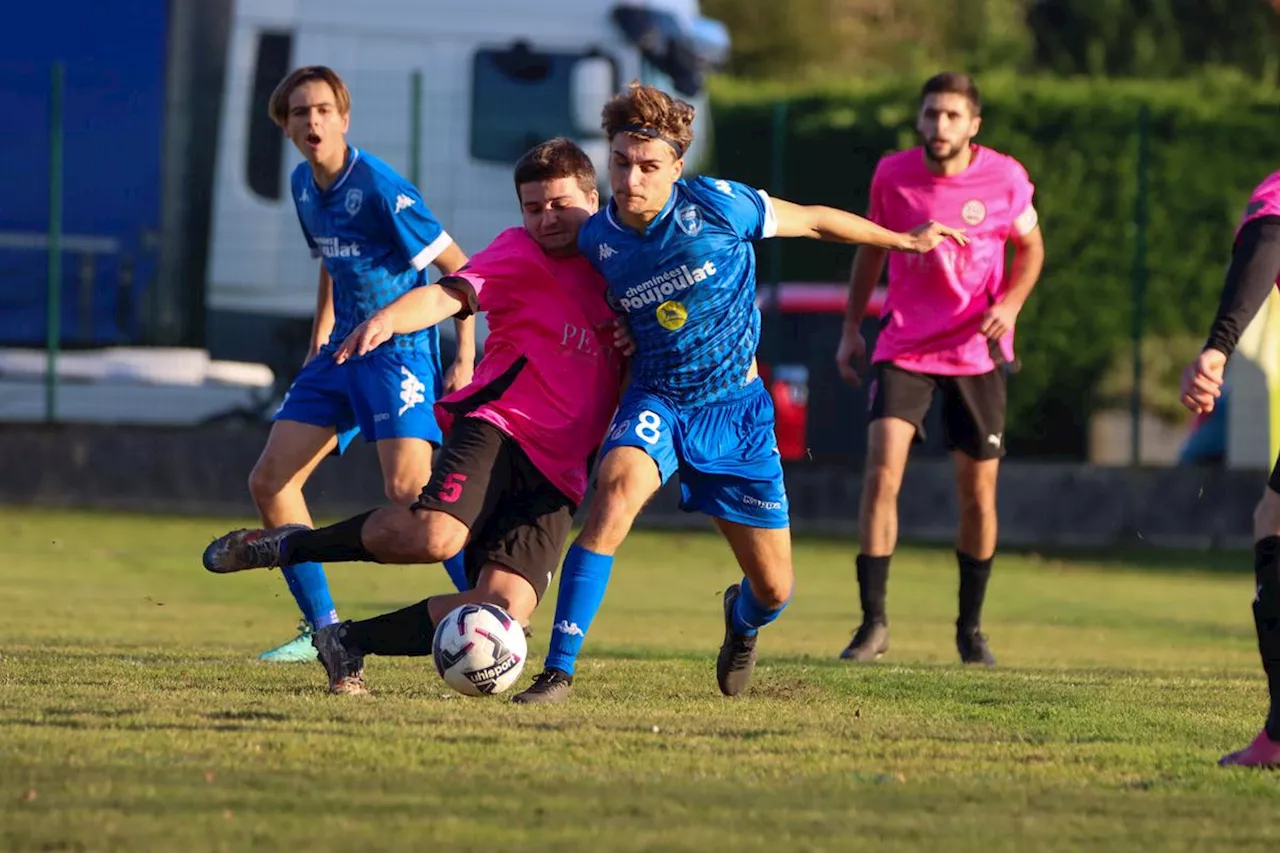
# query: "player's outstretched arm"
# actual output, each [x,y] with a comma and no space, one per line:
[420,308]
[839,226]
[1255,267]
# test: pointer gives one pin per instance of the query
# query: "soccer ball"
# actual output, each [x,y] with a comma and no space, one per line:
[479,649]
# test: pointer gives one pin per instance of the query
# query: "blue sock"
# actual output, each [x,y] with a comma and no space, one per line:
[456,566]
[582,583]
[749,615]
[310,589]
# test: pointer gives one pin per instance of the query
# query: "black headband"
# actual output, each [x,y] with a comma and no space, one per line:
[640,130]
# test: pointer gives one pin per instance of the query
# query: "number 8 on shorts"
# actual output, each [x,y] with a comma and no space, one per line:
[648,427]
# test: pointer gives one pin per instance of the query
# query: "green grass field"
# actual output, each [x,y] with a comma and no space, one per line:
[132,716]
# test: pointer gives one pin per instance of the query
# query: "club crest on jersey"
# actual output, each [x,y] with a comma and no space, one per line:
[671,315]
[973,212]
[619,430]
[689,218]
[355,198]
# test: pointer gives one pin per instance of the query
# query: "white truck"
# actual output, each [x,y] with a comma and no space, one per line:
[449,93]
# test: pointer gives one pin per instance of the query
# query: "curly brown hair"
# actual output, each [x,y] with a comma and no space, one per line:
[278,106]
[649,113]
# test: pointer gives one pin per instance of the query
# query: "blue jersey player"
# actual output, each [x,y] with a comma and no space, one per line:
[375,237]
[679,264]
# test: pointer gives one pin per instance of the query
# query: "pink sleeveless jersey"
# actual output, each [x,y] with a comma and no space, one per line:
[935,302]
[550,376]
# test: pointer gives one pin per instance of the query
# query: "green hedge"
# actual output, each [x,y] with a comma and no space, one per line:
[1211,140]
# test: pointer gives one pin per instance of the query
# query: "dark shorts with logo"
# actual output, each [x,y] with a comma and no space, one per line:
[973,407]
[517,518]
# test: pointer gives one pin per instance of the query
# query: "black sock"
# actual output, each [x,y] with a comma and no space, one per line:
[1266,618]
[337,543]
[405,632]
[873,587]
[974,574]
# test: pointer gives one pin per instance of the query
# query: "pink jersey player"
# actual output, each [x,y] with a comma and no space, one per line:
[946,331]
[520,436]
[936,302]
[550,375]
[1251,279]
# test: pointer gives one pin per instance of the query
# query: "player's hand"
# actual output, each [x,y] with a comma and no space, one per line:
[999,320]
[851,357]
[369,335]
[928,236]
[459,375]
[622,339]
[1202,381]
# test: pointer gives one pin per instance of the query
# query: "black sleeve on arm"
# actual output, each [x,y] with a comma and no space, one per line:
[465,292]
[1255,266]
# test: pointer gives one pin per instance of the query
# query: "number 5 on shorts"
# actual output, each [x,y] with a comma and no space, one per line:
[648,427]
[451,489]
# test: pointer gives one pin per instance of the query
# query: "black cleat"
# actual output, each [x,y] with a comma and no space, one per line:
[550,687]
[528,632]
[972,645]
[344,668]
[737,660]
[248,549]
[869,642]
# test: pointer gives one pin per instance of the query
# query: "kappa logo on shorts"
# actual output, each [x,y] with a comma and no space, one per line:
[411,390]
[759,504]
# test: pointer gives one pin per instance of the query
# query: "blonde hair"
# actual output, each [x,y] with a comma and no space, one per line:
[278,106]
[649,113]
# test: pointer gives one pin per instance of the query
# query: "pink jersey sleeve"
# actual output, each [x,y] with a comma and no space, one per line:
[491,265]
[1265,201]
[1025,218]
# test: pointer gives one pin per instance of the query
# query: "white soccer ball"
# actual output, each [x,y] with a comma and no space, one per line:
[479,649]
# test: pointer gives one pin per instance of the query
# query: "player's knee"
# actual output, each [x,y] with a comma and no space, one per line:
[417,536]
[507,589]
[881,484]
[613,510]
[439,542]
[977,501]
[265,484]
[772,593]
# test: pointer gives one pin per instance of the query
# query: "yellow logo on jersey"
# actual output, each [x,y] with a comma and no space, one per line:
[671,315]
